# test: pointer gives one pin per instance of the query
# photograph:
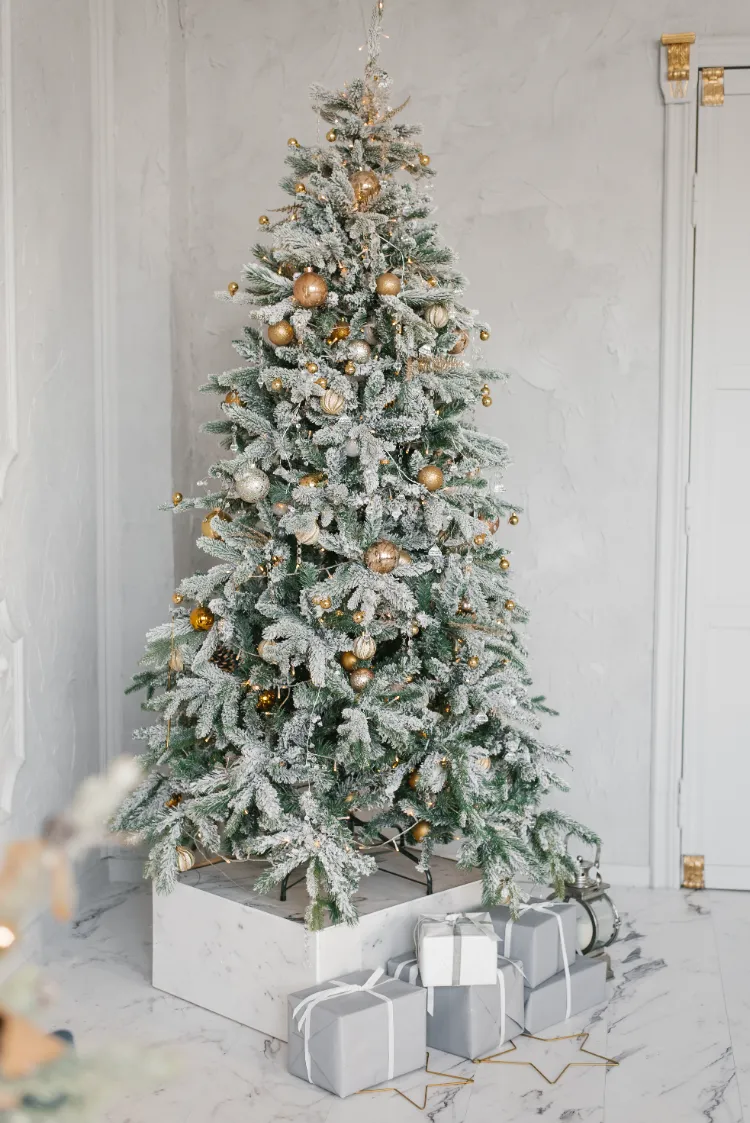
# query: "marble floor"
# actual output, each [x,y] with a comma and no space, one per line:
[677,1021]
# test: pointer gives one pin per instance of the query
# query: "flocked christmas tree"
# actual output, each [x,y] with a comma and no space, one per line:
[351,665]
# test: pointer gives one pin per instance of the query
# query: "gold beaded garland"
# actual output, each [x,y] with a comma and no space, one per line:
[310,289]
[388,284]
[232,288]
[280,334]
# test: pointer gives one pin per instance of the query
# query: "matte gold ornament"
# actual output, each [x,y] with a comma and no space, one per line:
[365,185]
[513,520]
[364,647]
[331,135]
[388,284]
[251,484]
[310,290]
[176,497]
[232,288]
[413,779]
[206,529]
[473,661]
[424,159]
[359,351]
[177,598]
[510,605]
[309,536]
[280,509]
[311,368]
[382,556]
[350,368]
[338,332]
[277,384]
[437,316]
[201,618]
[358,616]
[185,859]
[404,557]
[462,342]
[504,563]
[420,830]
[293,142]
[332,403]
[484,335]
[233,399]
[263,220]
[360,678]
[266,699]
[431,477]
[349,660]
[281,334]
[300,189]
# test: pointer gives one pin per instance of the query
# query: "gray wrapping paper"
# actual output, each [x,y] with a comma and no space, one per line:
[535,938]
[349,1034]
[545,1004]
[466,1020]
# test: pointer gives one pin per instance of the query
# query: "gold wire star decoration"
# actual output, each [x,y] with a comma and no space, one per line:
[452,1082]
[600,1062]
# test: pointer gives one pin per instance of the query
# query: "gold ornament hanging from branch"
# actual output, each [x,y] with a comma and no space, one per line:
[365,185]
[388,284]
[382,556]
[332,403]
[206,529]
[281,334]
[462,342]
[420,831]
[310,289]
[349,660]
[233,288]
[431,477]
[364,647]
[202,618]
[185,858]
[360,678]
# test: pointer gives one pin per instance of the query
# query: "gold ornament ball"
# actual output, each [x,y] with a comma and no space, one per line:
[360,351]
[233,399]
[177,598]
[420,830]
[331,135]
[281,333]
[364,647]
[462,342]
[299,189]
[424,159]
[404,557]
[311,368]
[413,779]
[382,556]
[447,708]
[176,497]
[308,537]
[504,563]
[510,605]
[185,859]
[486,400]
[263,220]
[349,660]
[206,529]
[415,629]
[332,403]
[388,284]
[473,661]
[310,290]
[484,762]
[480,539]
[340,331]
[277,384]
[293,142]
[432,281]
[232,288]
[360,678]
[358,616]
[201,618]
[365,185]
[484,335]
[322,382]
[280,509]
[325,603]
[350,368]
[431,477]
[266,699]
[513,520]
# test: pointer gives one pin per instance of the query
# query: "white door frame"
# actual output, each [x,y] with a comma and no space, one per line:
[680,134]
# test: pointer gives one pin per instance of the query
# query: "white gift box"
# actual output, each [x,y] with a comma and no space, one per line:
[459,949]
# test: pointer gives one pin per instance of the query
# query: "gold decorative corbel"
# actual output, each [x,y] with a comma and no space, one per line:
[678,61]
[712,85]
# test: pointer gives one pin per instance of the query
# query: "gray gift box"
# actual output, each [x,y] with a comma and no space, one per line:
[546,1004]
[535,937]
[348,1032]
[467,1021]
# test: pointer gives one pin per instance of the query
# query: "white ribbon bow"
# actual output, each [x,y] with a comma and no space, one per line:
[545,907]
[305,1008]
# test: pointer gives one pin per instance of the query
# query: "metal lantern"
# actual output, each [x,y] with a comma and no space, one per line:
[598,919]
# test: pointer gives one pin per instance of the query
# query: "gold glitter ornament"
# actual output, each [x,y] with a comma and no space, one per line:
[382,556]
[310,289]
[281,334]
[364,647]
[177,598]
[360,678]
[365,185]
[308,537]
[431,477]
[332,403]
[462,342]
[232,288]
[388,284]
[413,779]
[359,351]
[201,618]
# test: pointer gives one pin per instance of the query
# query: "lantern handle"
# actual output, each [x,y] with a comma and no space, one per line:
[597,856]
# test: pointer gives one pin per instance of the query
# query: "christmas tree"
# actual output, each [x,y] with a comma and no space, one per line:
[351,666]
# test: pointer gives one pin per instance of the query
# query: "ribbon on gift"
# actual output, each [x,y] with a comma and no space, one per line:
[305,1008]
[413,966]
[455,920]
[545,907]
[501,981]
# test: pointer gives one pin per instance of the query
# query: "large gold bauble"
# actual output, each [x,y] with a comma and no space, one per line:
[206,529]
[510,605]
[358,616]
[462,342]
[420,830]
[513,520]
[388,284]
[413,779]
[185,859]
[504,563]
[233,288]
[365,185]
[382,556]
[431,477]
[280,334]
[360,678]
[332,403]
[364,647]
[310,290]
[349,660]
[308,537]
[201,618]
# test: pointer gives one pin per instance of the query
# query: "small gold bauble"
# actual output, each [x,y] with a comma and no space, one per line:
[325,603]
[338,332]
[462,341]
[415,629]
[424,159]
[281,333]
[431,477]
[447,708]
[484,335]
[206,529]
[176,497]
[233,399]
[358,616]
[350,368]
[185,859]
[486,400]
[266,699]
[365,185]
[177,598]
[332,403]
[350,797]
[293,142]
[322,382]
[473,661]
[404,557]
[420,830]
[504,563]
[388,284]
[331,135]
[360,678]
[280,508]
[480,539]
[311,480]
[349,660]
[413,779]
[484,762]
[174,801]
[201,618]
[311,368]
[232,288]
[364,647]
[382,556]
[510,605]
[310,290]
[263,220]
[464,605]
[513,520]
[299,189]
[432,281]
[277,384]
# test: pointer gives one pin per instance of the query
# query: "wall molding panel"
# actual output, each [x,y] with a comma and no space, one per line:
[9,371]
[12,703]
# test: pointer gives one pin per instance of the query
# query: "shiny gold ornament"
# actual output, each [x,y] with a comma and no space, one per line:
[280,509]
[388,284]
[358,616]
[311,480]
[322,382]
[360,678]
[177,598]
[504,563]
[185,859]
[473,661]
[277,384]
[232,288]
[201,618]
[382,556]
[339,331]
[300,189]
[364,647]
[350,368]
[485,762]
[293,142]
[233,399]
[311,368]
[263,220]
[174,801]
[331,135]
[513,520]
[420,830]
[325,603]
[413,779]
[281,334]
[206,529]
[365,185]
[486,400]
[404,557]
[432,281]
[266,699]
[424,159]
[462,342]
[349,660]
[447,708]
[310,289]
[510,605]
[484,335]
[415,629]
[431,477]
[308,537]
[464,606]
[480,539]
[332,403]
[176,497]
